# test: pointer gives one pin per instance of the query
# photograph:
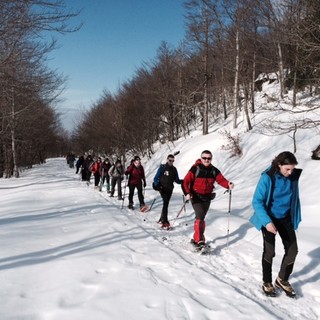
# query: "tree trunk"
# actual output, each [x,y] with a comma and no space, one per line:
[281,72]
[253,83]
[236,84]
[13,139]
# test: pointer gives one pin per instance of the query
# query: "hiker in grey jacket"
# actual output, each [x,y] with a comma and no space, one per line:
[116,173]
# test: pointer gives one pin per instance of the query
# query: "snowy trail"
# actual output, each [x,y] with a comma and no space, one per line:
[70,252]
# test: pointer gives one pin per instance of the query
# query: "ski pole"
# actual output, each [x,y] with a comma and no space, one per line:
[124,192]
[179,212]
[229,211]
[183,199]
[152,203]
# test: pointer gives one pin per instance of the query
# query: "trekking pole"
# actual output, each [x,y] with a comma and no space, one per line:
[178,214]
[124,193]
[183,199]
[229,211]
[152,203]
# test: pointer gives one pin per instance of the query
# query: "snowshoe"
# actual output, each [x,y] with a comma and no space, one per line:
[165,226]
[201,247]
[144,208]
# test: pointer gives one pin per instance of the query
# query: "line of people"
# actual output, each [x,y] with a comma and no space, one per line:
[113,175]
[276,201]
[276,206]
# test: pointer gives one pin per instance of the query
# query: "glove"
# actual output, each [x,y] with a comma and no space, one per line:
[144,184]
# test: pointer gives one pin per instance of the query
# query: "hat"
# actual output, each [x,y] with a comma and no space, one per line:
[136,158]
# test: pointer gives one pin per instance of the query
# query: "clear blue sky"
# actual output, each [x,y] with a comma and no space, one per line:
[116,38]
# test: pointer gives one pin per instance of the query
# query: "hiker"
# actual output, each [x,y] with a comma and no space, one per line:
[163,181]
[79,163]
[116,173]
[106,165]
[96,170]
[137,180]
[198,186]
[87,168]
[276,206]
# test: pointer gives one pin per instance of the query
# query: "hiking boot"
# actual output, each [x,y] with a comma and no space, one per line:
[269,289]
[120,198]
[130,206]
[285,286]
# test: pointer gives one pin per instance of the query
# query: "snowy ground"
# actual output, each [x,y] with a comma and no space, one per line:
[70,252]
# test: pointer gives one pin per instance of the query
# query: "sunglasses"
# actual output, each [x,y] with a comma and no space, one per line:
[206,158]
[170,160]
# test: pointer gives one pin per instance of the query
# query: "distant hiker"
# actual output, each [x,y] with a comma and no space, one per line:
[71,159]
[79,163]
[137,180]
[163,181]
[276,206]
[198,186]
[106,165]
[88,162]
[116,173]
[96,170]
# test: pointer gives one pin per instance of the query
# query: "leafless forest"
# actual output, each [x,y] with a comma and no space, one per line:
[210,76]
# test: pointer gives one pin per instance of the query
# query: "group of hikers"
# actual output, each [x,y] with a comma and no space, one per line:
[275,202]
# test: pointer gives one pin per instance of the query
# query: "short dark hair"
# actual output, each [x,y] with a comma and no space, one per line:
[170,156]
[206,151]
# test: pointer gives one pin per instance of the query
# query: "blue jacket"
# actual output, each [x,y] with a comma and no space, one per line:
[262,195]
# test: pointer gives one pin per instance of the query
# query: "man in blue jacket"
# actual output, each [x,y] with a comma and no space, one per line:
[276,206]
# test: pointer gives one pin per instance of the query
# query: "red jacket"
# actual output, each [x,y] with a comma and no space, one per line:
[136,174]
[96,167]
[202,180]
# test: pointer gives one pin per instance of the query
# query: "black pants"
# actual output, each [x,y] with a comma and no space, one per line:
[140,195]
[289,240]
[96,179]
[166,196]
[201,209]
[114,182]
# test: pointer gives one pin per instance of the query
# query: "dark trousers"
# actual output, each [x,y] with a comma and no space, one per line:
[114,182]
[289,240]
[200,209]
[96,179]
[140,195]
[166,196]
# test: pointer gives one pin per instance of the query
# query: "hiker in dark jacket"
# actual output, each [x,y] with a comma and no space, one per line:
[163,181]
[106,165]
[137,180]
[276,206]
[198,186]
[87,168]
[79,163]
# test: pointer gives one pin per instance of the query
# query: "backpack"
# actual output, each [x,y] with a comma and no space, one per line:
[213,172]
[90,166]
[159,186]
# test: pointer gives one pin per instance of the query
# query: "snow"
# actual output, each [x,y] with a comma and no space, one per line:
[70,252]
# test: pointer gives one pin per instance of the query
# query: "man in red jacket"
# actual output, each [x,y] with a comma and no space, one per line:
[137,180]
[198,186]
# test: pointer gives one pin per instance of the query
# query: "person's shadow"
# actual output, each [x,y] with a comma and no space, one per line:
[311,266]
